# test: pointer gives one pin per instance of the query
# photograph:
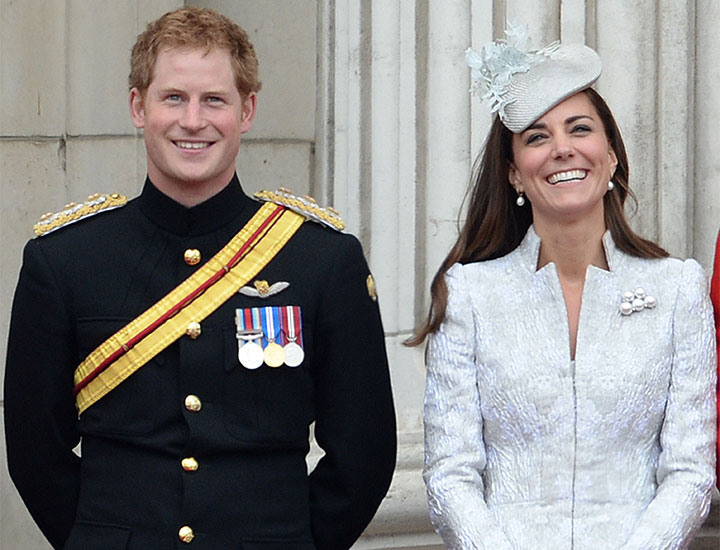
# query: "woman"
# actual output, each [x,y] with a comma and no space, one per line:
[570,388]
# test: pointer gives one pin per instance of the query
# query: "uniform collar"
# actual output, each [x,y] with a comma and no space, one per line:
[529,250]
[203,218]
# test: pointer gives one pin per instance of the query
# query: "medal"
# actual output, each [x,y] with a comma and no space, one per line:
[294,354]
[250,353]
[274,354]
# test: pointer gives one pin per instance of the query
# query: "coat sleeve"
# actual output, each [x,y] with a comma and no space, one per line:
[355,418]
[715,296]
[454,448]
[686,466]
[40,414]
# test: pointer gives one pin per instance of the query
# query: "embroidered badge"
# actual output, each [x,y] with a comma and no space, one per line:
[76,211]
[307,206]
[261,289]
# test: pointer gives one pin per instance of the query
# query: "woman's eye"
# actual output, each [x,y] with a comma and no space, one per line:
[533,138]
[581,128]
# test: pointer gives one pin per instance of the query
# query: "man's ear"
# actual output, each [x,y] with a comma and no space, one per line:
[137,108]
[248,112]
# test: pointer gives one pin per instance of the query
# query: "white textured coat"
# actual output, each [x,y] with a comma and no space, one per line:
[528,449]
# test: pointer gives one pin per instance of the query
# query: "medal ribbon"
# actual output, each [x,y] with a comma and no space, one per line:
[292,319]
[244,321]
[256,324]
[291,324]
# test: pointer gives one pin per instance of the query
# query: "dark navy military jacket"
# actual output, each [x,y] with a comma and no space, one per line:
[248,487]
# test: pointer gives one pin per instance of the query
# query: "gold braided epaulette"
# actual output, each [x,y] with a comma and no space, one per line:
[76,211]
[307,206]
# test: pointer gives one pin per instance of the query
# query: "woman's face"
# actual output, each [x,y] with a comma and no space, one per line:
[563,163]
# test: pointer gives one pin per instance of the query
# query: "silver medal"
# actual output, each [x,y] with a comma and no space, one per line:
[294,354]
[250,352]
[250,355]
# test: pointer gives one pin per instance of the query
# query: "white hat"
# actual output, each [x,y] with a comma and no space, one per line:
[522,84]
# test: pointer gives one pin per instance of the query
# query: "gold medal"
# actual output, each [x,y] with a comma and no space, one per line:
[274,354]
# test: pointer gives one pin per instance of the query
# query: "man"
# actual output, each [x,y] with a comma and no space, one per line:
[191,336]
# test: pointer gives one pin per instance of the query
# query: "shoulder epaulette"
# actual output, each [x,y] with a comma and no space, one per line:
[307,206]
[76,211]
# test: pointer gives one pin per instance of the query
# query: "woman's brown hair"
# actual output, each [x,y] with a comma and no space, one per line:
[495,225]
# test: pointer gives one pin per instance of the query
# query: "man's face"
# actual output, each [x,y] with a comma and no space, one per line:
[193,118]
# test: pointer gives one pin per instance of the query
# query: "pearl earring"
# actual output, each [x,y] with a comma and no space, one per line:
[611,185]
[520,201]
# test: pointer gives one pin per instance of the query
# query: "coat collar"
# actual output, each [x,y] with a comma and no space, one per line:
[200,219]
[529,252]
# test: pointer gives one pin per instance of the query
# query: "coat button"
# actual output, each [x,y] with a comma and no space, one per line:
[192,256]
[193,403]
[193,330]
[189,464]
[186,534]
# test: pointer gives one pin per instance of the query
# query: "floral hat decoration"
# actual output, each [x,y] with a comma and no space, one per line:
[524,84]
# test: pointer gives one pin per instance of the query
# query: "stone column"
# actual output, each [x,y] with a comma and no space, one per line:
[706,150]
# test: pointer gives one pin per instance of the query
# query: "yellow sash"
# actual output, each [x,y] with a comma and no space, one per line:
[193,300]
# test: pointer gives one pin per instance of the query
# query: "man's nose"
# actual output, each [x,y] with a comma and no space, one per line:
[192,118]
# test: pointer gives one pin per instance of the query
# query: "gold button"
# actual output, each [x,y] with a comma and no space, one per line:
[193,330]
[193,403]
[189,464]
[186,534]
[192,256]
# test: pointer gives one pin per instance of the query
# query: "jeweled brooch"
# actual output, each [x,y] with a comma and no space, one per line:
[636,301]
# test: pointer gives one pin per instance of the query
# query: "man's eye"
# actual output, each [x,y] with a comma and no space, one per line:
[173,97]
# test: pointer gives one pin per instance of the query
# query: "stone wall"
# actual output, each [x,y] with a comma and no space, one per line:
[365,106]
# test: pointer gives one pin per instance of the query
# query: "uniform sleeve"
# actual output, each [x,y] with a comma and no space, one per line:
[686,466]
[454,449]
[355,418]
[715,296]
[40,415]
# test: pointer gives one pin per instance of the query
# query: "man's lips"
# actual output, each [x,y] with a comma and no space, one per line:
[570,175]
